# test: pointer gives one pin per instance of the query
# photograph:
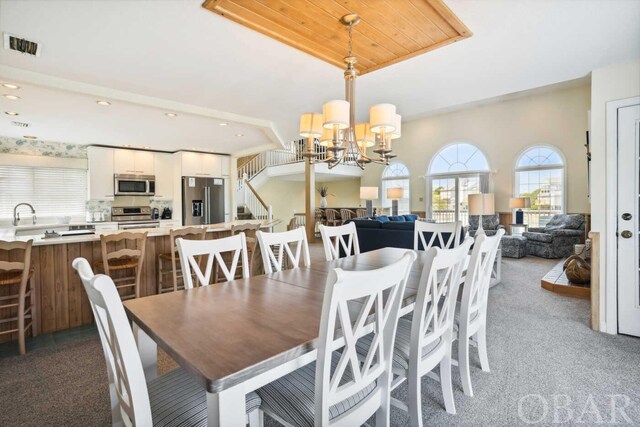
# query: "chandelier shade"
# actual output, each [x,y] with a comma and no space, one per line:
[364,136]
[382,118]
[326,140]
[397,124]
[311,125]
[336,113]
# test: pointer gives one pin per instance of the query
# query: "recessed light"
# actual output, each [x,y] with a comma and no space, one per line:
[103,103]
[30,137]
[223,124]
[239,134]
[12,97]
[10,86]
[145,147]
[11,113]
[170,114]
[126,145]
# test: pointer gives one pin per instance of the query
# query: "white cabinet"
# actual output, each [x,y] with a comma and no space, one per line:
[191,164]
[106,226]
[208,165]
[133,162]
[226,163]
[211,165]
[163,163]
[100,173]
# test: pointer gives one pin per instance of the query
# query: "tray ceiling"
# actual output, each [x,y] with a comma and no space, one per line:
[390,30]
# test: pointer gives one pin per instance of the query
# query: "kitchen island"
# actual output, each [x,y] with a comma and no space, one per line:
[60,301]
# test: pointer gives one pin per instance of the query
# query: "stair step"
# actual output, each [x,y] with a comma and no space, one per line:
[245,216]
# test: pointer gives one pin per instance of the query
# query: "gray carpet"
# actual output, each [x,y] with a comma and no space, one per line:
[541,351]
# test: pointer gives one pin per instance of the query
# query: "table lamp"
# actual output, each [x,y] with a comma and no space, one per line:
[369,194]
[394,194]
[519,203]
[481,204]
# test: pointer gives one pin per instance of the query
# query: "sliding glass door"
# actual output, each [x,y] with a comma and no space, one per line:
[450,195]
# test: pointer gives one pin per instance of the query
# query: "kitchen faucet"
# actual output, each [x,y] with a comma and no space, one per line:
[16,214]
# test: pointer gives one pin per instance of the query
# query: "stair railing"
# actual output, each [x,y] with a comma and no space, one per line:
[254,203]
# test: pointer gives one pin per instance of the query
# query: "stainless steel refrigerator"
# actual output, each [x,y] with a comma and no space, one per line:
[202,200]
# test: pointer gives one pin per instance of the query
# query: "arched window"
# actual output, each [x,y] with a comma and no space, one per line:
[540,178]
[396,175]
[456,171]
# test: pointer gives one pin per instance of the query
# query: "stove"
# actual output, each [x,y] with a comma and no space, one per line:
[132,217]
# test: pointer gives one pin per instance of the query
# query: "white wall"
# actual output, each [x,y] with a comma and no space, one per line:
[502,130]
[610,83]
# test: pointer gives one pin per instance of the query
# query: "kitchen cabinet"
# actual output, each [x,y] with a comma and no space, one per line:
[133,162]
[200,164]
[163,163]
[100,173]
[226,164]
[105,226]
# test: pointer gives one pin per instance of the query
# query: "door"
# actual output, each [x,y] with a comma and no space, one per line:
[100,173]
[144,162]
[124,162]
[628,220]
[163,164]
[450,197]
[193,200]
[214,189]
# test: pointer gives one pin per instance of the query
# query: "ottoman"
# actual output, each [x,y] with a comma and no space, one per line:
[514,246]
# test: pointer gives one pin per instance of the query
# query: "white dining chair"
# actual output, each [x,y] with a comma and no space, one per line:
[424,342]
[443,235]
[471,319]
[337,389]
[282,243]
[175,398]
[195,253]
[343,237]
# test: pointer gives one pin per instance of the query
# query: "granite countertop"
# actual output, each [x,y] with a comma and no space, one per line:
[39,240]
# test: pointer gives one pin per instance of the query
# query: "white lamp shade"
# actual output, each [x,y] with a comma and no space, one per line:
[397,123]
[395,193]
[382,117]
[369,193]
[481,204]
[517,202]
[364,136]
[334,113]
[310,125]
[326,140]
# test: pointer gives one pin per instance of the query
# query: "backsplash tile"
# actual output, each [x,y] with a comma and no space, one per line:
[41,148]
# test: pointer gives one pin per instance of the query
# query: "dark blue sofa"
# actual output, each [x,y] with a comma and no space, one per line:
[382,231]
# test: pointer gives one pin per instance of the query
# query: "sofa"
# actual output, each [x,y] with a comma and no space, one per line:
[557,238]
[490,224]
[377,232]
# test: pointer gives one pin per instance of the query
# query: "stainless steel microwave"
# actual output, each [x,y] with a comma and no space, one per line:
[134,185]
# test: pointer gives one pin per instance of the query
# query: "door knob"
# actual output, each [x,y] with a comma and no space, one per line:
[626,216]
[626,234]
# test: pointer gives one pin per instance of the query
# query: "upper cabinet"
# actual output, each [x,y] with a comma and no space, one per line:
[133,162]
[100,173]
[207,165]
[163,163]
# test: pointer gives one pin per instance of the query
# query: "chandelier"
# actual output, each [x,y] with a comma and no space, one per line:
[333,137]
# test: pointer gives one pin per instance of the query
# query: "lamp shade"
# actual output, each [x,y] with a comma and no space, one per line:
[517,202]
[382,117]
[395,193]
[397,123]
[334,113]
[482,204]
[368,193]
[326,140]
[310,125]
[364,136]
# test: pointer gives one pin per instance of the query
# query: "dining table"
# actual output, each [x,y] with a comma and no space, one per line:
[237,336]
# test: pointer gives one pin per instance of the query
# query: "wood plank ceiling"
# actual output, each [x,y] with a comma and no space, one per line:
[390,30]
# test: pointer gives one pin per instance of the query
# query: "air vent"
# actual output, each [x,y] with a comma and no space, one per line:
[20,124]
[21,45]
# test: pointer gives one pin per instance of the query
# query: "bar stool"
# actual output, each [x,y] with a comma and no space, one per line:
[190,233]
[249,231]
[118,256]
[333,217]
[17,274]
[346,214]
[361,213]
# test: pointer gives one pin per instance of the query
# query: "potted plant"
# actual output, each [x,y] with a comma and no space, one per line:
[324,192]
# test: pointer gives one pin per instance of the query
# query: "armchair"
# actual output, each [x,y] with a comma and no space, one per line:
[490,224]
[557,238]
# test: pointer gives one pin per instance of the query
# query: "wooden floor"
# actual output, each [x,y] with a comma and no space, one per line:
[556,281]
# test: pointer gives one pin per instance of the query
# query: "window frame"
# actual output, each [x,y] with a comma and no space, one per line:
[383,180]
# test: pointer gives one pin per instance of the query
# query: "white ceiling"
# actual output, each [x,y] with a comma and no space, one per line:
[175,55]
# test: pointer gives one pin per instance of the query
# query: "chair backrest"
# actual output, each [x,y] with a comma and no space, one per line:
[195,253]
[125,238]
[376,297]
[247,228]
[442,235]
[296,221]
[473,307]
[361,213]
[23,265]
[189,233]
[124,367]
[275,261]
[346,214]
[331,214]
[436,299]
[333,239]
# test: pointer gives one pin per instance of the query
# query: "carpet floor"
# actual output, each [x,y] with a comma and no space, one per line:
[547,368]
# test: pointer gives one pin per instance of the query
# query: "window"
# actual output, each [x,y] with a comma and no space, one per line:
[53,192]
[540,178]
[455,172]
[396,175]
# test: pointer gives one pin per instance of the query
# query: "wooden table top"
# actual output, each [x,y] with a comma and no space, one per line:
[229,332]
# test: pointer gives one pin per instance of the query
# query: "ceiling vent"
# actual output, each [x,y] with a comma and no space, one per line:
[21,45]
[20,124]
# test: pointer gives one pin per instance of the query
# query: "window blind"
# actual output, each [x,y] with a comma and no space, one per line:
[53,192]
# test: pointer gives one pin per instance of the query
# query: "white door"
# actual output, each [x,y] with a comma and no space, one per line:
[628,220]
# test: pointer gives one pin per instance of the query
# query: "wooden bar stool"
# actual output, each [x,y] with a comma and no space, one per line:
[190,233]
[346,214]
[17,275]
[249,231]
[122,252]
[333,217]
